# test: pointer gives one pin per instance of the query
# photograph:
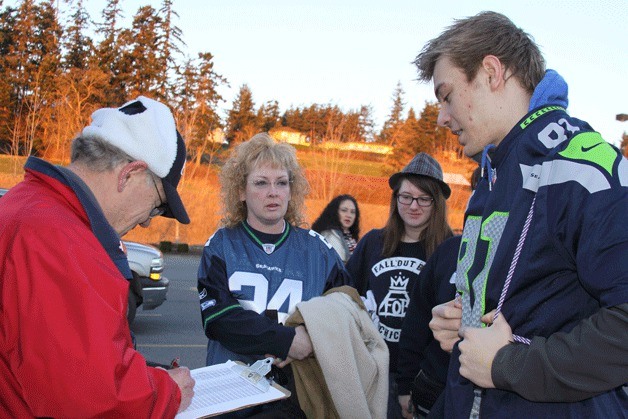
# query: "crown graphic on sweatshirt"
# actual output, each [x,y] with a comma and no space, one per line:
[399,282]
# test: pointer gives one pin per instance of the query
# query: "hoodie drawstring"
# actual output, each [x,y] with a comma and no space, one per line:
[485,165]
[513,265]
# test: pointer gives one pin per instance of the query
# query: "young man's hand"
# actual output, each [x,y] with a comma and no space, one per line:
[445,324]
[479,347]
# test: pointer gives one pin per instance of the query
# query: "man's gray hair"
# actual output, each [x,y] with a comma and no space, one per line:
[99,155]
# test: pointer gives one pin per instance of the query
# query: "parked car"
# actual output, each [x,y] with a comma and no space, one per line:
[148,287]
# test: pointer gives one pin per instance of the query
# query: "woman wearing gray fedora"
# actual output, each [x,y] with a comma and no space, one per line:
[386,262]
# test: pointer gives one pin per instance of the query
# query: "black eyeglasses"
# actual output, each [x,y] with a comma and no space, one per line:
[422,201]
[157,211]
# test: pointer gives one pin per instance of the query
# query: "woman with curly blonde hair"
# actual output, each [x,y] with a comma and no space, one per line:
[261,148]
[260,264]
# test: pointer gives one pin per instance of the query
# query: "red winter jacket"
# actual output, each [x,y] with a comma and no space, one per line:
[65,344]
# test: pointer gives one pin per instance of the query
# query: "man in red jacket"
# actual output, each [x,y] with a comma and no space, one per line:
[65,343]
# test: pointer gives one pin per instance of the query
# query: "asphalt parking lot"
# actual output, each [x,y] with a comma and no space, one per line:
[174,329]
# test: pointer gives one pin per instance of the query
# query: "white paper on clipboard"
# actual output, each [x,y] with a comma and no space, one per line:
[220,389]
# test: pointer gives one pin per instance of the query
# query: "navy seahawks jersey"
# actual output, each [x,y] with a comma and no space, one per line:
[390,280]
[240,282]
[572,185]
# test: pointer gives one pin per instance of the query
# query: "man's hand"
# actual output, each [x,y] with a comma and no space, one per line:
[479,347]
[406,407]
[184,380]
[445,324]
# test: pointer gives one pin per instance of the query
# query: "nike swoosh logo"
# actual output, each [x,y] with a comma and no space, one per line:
[585,149]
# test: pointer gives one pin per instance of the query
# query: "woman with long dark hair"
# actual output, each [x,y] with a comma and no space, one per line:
[339,223]
[386,262]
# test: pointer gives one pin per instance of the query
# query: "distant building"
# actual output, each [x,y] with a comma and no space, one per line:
[358,146]
[289,135]
[455,179]
[218,136]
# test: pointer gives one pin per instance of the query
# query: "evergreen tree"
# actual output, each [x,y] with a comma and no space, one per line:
[170,41]
[242,120]
[406,146]
[78,47]
[111,57]
[328,123]
[351,130]
[75,90]
[78,89]
[146,64]
[314,123]
[429,136]
[419,135]
[393,124]
[293,118]
[196,111]
[268,115]
[334,123]
[348,126]
[435,138]
[366,124]
[32,66]
[7,25]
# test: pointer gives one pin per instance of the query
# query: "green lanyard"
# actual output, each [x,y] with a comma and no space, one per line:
[268,247]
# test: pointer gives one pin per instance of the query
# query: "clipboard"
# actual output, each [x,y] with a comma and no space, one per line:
[229,387]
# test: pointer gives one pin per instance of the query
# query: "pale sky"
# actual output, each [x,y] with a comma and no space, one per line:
[353,52]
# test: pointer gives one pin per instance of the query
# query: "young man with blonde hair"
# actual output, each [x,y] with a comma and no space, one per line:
[543,254]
